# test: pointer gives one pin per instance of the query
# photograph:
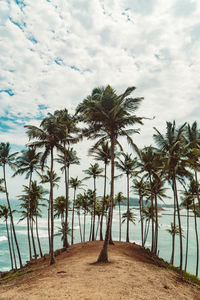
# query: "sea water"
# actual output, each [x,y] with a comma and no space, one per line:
[164,244]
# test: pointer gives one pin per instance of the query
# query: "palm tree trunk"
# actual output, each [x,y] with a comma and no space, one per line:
[28,219]
[52,259]
[197,239]
[49,230]
[152,216]
[156,229]
[97,227]
[103,256]
[128,212]
[141,220]
[120,225]
[84,227]
[91,226]
[94,208]
[8,236]
[72,238]
[38,239]
[66,169]
[12,245]
[180,228]
[11,217]
[103,207]
[79,221]
[187,239]
[173,236]
[33,241]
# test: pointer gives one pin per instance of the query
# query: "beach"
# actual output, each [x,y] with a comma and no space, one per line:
[131,274]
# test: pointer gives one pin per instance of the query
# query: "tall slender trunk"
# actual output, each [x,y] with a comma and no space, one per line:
[49,229]
[91,226]
[156,229]
[84,227]
[28,219]
[152,216]
[180,228]
[11,217]
[98,222]
[173,236]
[38,239]
[94,209]
[197,238]
[103,256]
[66,169]
[32,236]
[187,239]
[141,220]
[8,236]
[128,212]
[120,225]
[72,238]
[103,207]
[12,245]
[52,259]
[79,221]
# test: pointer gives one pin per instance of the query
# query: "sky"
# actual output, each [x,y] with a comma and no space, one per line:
[53,53]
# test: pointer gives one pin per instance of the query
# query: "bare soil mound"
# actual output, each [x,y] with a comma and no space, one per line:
[131,274]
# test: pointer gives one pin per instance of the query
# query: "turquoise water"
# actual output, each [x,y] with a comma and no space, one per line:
[164,245]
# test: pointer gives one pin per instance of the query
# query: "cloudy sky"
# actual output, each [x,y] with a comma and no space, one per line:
[53,53]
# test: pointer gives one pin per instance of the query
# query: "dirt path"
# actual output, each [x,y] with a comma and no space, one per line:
[131,274]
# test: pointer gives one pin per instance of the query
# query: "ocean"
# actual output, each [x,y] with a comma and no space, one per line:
[164,244]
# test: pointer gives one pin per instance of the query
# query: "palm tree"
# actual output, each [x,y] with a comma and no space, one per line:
[119,198]
[46,178]
[27,163]
[150,164]
[4,213]
[127,166]
[173,231]
[49,136]
[31,202]
[94,171]
[66,159]
[102,153]
[68,125]
[140,188]
[107,116]
[74,183]
[171,144]
[9,159]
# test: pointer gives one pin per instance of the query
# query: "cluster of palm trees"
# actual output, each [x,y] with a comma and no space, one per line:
[105,117]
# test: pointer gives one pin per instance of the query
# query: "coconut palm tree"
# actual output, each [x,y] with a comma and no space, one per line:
[150,164]
[173,231]
[69,130]
[46,178]
[31,203]
[171,144]
[108,115]
[4,213]
[140,188]
[119,198]
[47,136]
[102,153]
[66,159]
[27,163]
[9,159]
[94,171]
[127,166]
[74,183]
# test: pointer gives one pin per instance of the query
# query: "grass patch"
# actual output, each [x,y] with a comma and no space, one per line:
[15,275]
[187,276]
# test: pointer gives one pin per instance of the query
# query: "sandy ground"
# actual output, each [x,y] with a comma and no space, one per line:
[131,274]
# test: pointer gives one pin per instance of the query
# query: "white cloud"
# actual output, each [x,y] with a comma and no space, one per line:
[54,53]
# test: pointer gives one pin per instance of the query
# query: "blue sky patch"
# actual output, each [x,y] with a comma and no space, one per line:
[8,91]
